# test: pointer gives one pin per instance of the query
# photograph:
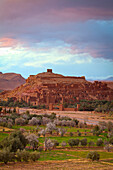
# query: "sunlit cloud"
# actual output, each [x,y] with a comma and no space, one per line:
[78,35]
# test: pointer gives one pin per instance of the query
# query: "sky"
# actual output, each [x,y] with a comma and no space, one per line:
[72,37]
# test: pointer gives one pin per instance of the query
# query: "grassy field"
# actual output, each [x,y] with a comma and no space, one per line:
[71,154]
[63,158]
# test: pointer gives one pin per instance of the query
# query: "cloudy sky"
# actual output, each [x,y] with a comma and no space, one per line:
[73,37]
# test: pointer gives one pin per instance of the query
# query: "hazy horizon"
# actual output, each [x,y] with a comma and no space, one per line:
[73,37]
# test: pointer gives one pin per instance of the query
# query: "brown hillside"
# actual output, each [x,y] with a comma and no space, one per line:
[9,81]
[109,84]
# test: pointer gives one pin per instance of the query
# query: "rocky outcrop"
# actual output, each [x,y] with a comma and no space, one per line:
[47,87]
[9,81]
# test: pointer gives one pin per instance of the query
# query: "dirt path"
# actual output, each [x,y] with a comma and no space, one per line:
[58,165]
[83,116]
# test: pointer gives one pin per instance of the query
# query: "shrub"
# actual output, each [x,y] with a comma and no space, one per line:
[45,120]
[50,127]
[76,142]
[56,143]
[42,132]
[99,142]
[79,133]
[108,147]
[109,126]
[40,149]
[14,141]
[48,144]
[34,121]
[111,141]
[106,142]
[71,134]
[91,143]
[6,156]
[20,121]
[93,156]
[80,125]
[63,144]
[84,142]
[34,156]
[110,134]
[96,128]
[19,155]
[33,141]
[25,155]
[62,131]
[73,142]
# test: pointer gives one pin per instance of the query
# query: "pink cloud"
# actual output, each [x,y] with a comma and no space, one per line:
[54,10]
[8,42]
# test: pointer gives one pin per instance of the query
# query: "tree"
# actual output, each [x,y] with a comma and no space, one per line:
[56,143]
[34,156]
[62,131]
[50,127]
[93,156]
[42,132]
[91,143]
[109,126]
[99,142]
[108,147]
[25,155]
[15,141]
[33,141]
[6,156]
[0,109]
[84,142]
[48,144]
[63,144]
[20,121]
[73,142]
[34,121]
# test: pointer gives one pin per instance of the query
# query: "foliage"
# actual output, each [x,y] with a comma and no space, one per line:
[34,121]
[71,134]
[93,156]
[32,140]
[109,126]
[19,155]
[25,155]
[14,141]
[20,121]
[34,156]
[91,143]
[108,147]
[42,132]
[73,142]
[111,140]
[63,144]
[83,142]
[62,131]
[56,143]
[99,142]
[50,127]
[48,144]
[6,156]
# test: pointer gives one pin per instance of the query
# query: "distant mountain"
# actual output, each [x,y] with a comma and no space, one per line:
[9,81]
[109,79]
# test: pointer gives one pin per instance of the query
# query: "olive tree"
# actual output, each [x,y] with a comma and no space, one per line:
[32,140]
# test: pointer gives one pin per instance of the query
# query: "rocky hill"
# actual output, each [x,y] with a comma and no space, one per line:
[47,87]
[9,81]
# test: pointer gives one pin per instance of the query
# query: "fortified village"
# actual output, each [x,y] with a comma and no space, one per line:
[52,89]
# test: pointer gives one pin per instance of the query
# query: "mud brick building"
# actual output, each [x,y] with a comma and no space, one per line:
[50,88]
